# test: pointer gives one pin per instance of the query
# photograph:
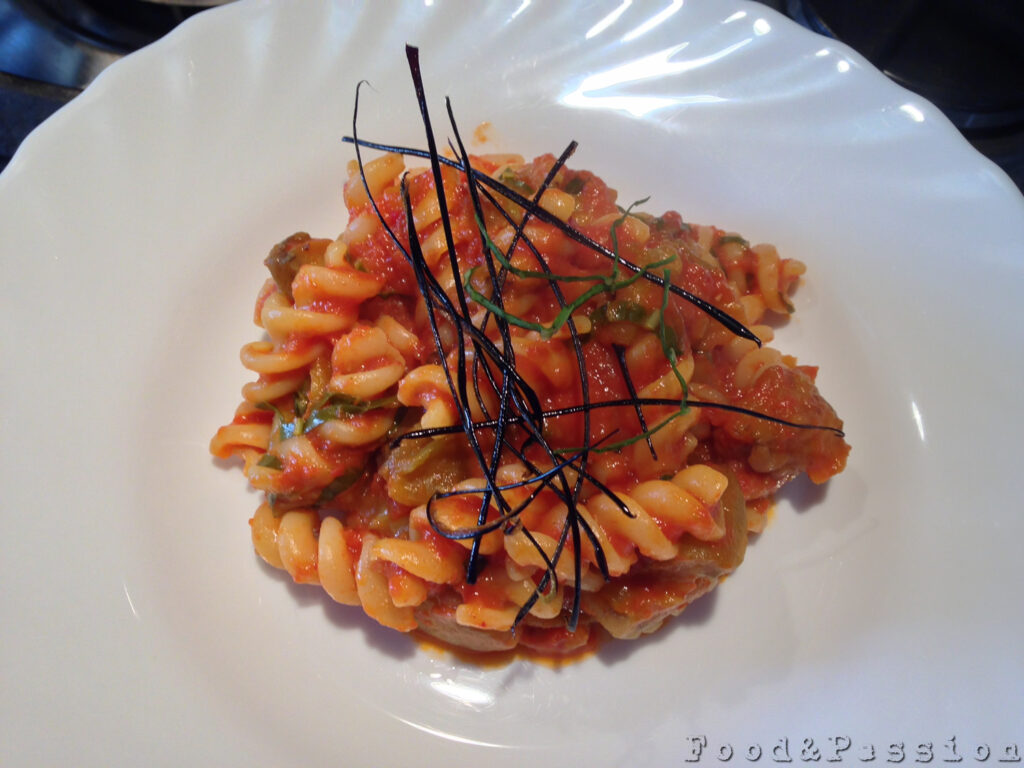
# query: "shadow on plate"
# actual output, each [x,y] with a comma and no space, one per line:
[612,651]
[802,494]
[349,618]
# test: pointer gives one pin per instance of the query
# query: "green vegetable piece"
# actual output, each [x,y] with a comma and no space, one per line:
[338,406]
[301,397]
[509,179]
[603,283]
[340,484]
[609,447]
[575,186]
[621,311]
[289,429]
[272,501]
[733,239]
[269,460]
[668,348]
[287,257]
[728,551]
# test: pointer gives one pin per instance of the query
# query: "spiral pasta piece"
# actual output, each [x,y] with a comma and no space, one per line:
[365,364]
[426,387]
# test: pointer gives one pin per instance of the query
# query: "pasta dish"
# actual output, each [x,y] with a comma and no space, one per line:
[502,410]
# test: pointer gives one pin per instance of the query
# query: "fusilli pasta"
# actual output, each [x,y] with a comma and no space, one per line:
[502,410]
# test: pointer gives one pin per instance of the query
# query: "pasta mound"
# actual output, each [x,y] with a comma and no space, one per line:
[521,440]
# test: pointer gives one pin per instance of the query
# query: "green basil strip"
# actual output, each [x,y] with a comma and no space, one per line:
[269,460]
[340,484]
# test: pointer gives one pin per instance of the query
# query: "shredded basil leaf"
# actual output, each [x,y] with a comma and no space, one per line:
[733,239]
[509,179]
[286,428]
[301,397]
[269,460]
[620,311]
[338,406]
[272,503]
[667,345]
[575,186]
[609,447]
[603,283]
[352,405]
[340,484]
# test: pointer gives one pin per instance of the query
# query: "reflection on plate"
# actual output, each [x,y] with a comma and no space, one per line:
[137,623]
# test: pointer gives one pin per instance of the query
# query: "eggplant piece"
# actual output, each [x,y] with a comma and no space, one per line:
[728,552]
[417,468]
[290,254]
[640,601]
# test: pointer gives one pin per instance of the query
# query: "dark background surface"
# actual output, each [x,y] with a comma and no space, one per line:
[966,56]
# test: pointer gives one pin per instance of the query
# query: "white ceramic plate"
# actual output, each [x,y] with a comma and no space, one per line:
[138,628]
